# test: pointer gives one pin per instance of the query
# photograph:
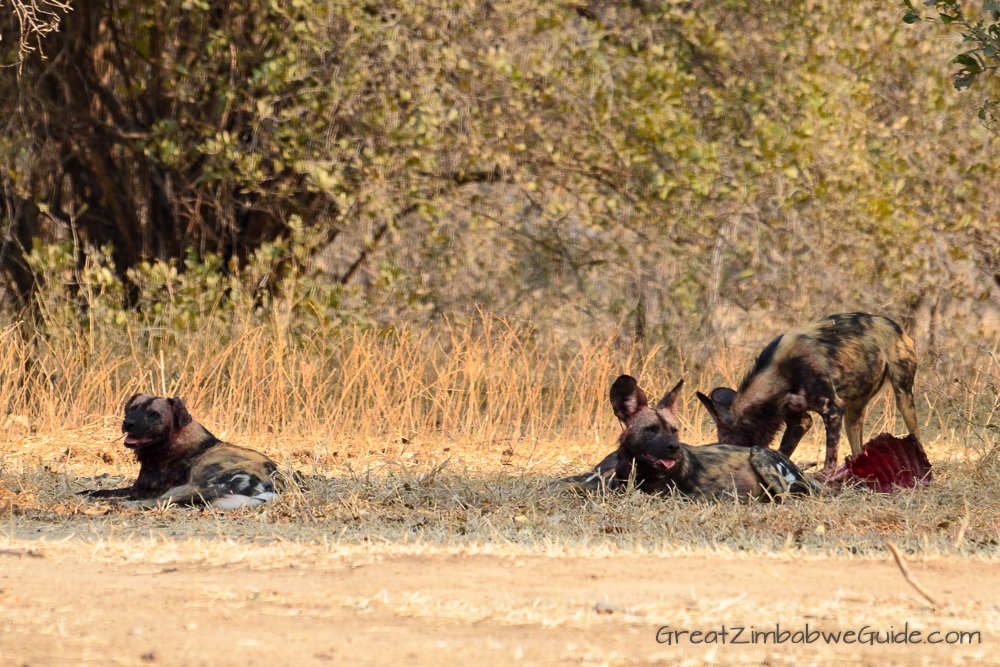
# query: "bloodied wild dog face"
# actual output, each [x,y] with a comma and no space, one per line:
[151,422]
[650,437]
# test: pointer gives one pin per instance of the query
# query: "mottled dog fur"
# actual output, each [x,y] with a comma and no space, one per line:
[655,461]
[181,462]
[834,368]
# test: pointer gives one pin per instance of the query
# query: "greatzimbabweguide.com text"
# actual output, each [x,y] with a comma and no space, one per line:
[866,635]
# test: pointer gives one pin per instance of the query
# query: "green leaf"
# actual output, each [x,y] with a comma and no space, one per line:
[991,5]
[965,80]
[968,62]
[911,17]
[945,19]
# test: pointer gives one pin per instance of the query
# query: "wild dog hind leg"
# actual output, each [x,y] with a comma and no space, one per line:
[189,494]
[854,422]
[902,370]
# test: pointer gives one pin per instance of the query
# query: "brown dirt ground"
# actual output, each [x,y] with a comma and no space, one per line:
[66,604]
[462,557]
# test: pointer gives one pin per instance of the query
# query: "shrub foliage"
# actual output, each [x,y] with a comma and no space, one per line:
[672,166]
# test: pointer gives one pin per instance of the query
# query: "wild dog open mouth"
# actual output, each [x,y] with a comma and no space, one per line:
[663,463]
[131,441]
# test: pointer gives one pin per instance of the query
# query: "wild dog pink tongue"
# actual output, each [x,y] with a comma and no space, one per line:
[666,463]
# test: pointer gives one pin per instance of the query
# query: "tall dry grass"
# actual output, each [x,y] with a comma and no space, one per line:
[478,381]
[481,381]
[447,438]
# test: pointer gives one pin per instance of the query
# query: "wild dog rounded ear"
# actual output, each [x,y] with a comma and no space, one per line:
[707,402]
[723,396]
[718,404]
[181,416]
[129,402]
[669,402]
[627,398]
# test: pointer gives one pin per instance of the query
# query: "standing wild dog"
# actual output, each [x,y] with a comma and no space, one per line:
[181,462]
[650,454]
[833,367]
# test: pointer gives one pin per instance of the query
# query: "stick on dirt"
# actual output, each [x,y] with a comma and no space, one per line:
[905,569]
[782,580]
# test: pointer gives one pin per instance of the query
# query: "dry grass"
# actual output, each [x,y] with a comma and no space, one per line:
[441,441]
[434,496]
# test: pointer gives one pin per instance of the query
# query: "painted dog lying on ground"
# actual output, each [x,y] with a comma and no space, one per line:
[182,463]
[833,367]
[651,456]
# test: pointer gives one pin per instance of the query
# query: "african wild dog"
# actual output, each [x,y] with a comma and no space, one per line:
[650,455]
[833,367]
[181,462]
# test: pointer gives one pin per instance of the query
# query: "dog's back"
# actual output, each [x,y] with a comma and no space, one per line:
[856,351]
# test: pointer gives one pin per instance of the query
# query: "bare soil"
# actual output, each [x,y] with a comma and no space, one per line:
[455,553]
[60,605]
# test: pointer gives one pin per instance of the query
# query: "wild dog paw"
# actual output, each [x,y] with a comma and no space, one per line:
[824,475]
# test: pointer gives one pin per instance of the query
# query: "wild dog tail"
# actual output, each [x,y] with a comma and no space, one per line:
[901,357]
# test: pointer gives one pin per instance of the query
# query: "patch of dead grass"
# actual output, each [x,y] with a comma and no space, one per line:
[441,496]
[439,442]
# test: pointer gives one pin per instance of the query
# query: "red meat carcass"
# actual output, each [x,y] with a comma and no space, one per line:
[885,464]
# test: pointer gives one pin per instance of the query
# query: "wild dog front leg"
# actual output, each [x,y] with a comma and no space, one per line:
[127,492]
[185,494]
[833,419]
[601,477]
[796,426]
